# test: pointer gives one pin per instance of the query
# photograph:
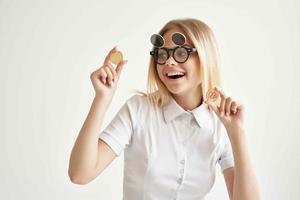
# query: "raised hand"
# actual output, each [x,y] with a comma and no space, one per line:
[229,111]
[105,78]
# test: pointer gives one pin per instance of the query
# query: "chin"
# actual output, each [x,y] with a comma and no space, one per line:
[178,90]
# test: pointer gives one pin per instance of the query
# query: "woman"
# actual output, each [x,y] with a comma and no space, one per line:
[174,135]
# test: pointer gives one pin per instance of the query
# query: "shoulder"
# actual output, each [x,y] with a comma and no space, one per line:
[138,105]
[137,101]
[138,109]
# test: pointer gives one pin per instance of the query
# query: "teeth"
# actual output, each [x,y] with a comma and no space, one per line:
[174,73]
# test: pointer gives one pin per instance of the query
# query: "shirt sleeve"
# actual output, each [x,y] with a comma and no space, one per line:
[118,132]
[226,159]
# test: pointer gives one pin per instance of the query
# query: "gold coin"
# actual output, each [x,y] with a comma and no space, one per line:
[212,95]
[116,57]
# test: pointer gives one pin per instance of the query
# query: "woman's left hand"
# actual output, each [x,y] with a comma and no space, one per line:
[229,111]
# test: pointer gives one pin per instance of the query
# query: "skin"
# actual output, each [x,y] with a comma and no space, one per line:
[90,155]
[187,90]
[241,181]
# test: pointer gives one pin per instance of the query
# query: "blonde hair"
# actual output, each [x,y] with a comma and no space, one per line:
[204,41]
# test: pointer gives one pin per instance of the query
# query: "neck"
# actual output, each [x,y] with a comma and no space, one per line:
[189,100]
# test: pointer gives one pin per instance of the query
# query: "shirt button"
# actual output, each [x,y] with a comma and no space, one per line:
[179,181]
[184,143]
[182,161]
[181,171]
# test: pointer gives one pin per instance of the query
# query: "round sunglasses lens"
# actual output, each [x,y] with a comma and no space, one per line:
[157,40]
[162,56]
[181,54]
[178,38]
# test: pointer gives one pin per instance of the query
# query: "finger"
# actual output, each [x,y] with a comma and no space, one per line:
[234,107]
[109,75]
[96,75]
[222,107]
[221,92]
[107,58]
[113,71]
[240,108]
[223,98]
[93,75]
[213,106]
[103,75]
[227,106]
[120,67]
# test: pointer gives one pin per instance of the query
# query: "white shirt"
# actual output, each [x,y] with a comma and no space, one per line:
[169,153]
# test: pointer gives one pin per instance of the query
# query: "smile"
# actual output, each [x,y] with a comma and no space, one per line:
[175,75]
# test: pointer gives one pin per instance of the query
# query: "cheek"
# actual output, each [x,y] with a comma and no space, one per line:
[193,69]
[159,71]
[194,59]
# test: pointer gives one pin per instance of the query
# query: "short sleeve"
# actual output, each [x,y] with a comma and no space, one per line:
[118,132]
[226,159]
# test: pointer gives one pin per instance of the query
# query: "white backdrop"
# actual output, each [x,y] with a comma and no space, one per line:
[48,49]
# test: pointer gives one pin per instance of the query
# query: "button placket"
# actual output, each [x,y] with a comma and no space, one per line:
[179,181]
[182,166]
[181,171]
[183,146]
[186,136]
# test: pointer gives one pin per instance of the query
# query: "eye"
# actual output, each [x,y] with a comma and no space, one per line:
[162,54]
[181,52]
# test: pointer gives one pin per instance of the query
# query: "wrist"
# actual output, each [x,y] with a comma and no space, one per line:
[103,99]
[235,131]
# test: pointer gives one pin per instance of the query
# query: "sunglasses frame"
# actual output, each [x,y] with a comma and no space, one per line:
[189,50]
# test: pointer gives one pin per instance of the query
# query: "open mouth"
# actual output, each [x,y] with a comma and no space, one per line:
[175,75]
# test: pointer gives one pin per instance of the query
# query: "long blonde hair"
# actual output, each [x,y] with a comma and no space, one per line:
[204,41]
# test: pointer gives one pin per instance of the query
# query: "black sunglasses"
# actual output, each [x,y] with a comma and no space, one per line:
[179,53]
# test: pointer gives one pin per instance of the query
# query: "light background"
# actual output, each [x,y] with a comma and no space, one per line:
[48,49]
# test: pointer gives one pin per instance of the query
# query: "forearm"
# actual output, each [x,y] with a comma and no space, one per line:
[245,186]
[85,151]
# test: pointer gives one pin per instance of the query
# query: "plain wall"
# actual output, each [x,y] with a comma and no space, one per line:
[48,49]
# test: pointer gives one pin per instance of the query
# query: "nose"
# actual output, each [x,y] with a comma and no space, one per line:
[171,61]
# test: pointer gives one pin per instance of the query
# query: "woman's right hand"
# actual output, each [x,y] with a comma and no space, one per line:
[105,78]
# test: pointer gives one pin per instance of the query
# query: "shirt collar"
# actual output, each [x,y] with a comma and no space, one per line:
[202,114]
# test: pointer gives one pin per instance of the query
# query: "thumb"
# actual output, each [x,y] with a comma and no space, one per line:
[120,67]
